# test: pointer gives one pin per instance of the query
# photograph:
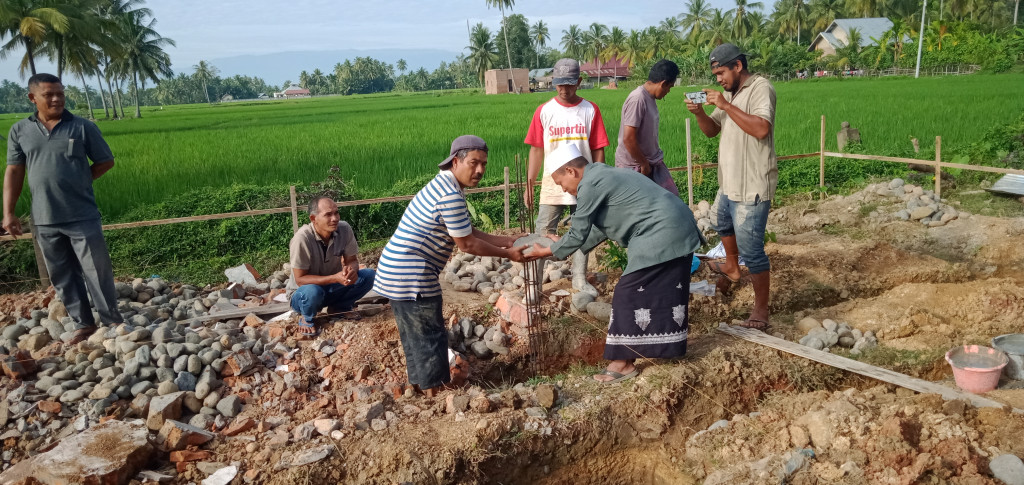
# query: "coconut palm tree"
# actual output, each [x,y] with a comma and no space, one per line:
[502,5]
[205,72]
[613,48]
[540,36]
[825,11]
[482,52]
[402,66]
[594,41]
[790,16]
[741,24]
[573,42]
[864,8]
[143,56]
[672,26]
[697,15]
[719,29]
[633,50]
[26,23]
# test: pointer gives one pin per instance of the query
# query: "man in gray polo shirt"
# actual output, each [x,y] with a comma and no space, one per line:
[748,171]
[54,147]
[638,148]
[325,267]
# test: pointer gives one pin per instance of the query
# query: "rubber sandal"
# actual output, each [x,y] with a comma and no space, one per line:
[305,326]
[716,265]
[761,325]
[616,377]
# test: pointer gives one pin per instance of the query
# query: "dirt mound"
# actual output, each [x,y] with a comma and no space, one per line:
[871,436]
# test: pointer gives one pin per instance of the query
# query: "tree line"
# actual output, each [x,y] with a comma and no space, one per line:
[115,42]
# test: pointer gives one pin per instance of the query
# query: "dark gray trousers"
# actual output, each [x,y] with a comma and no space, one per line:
[77,259]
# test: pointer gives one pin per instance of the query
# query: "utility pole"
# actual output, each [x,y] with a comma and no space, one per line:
[920,39]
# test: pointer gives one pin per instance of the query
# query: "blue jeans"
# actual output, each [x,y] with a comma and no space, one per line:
[747,221]
[309,299]
[424,340]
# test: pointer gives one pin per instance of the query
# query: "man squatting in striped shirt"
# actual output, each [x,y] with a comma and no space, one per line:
[434,223]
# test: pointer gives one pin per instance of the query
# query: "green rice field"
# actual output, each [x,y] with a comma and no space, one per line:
[382,139]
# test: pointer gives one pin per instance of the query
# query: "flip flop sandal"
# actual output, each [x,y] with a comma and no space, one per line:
[716,267]
[617,377]
[761,325]
[308,329]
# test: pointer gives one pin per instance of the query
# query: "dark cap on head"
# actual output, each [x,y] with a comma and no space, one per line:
[723,54]
[566,71]
[464,142]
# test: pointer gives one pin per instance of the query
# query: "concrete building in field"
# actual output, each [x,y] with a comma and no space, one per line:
[293,91]
[498,81]
[837,35]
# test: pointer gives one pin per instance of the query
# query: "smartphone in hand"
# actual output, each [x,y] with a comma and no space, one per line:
[698,97]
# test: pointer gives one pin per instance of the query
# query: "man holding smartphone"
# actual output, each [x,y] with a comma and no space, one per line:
[748,171]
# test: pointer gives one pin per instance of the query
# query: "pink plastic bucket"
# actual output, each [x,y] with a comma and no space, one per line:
[976,368]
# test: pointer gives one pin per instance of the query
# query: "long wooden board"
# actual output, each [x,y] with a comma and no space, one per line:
[861,368]
[242,312]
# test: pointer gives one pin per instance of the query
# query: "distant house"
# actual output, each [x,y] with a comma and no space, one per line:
[614,68]
[293,91]
[227,97]
[541,78]
[498,81]
[837,35]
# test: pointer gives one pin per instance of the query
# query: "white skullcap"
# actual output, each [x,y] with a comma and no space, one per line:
[561,156]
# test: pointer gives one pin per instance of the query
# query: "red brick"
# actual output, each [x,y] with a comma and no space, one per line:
[275,331]
[175,435]
[253,321]
[52,407]
[240,363]
[19,365]
[186,455]
[239,426]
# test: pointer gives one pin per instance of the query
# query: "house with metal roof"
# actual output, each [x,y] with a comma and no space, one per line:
[837,35]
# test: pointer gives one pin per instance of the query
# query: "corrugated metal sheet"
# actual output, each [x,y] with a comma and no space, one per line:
[1009,184]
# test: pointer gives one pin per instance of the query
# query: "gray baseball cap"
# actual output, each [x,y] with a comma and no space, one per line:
[567,71]
[464,142]
[724,53]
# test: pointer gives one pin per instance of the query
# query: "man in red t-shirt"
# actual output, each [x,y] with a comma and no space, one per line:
[565,119]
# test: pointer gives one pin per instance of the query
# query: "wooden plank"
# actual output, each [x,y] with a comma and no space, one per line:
[979,168]
[885,375]
[211,217]
[242,312]
[858,156]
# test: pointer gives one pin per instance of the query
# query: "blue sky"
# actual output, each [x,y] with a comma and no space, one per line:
[211,29]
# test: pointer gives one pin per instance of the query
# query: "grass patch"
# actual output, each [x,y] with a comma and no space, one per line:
[898,359]
[867,209]
[988,204]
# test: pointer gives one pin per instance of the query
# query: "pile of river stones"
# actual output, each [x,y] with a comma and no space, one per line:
[490,276]
[919,205]
[828,334]
[484,342]
[161,349]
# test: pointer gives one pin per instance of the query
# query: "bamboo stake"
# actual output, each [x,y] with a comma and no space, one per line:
[689,163]
[507,201]
[938,166]
[44,275]
[295,210]
[821,170]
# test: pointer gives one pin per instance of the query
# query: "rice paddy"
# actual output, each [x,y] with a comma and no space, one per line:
[379,140]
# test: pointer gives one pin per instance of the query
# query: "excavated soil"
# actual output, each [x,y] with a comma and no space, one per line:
[921,290]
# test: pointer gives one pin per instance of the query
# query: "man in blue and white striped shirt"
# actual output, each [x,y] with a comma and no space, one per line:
[435,222]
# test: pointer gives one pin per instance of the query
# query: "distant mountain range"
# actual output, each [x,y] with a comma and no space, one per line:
[279,67]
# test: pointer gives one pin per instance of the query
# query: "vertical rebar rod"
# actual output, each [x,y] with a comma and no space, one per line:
[533,274]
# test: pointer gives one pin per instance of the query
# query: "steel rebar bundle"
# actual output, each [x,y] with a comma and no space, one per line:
[533,275]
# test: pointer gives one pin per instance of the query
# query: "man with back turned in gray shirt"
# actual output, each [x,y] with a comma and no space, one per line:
[54,147]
